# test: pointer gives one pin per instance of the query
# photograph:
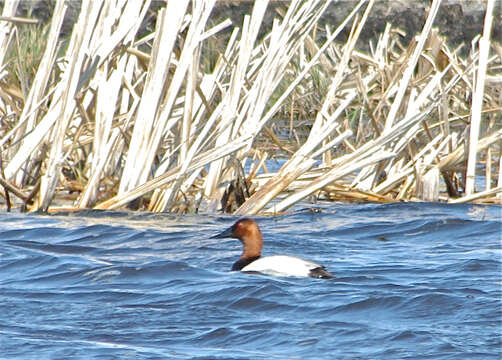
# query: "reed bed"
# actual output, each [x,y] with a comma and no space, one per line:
[114,119]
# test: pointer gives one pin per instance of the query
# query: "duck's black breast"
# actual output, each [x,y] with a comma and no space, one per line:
[239,264]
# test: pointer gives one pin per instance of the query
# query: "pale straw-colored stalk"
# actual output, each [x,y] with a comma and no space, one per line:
[6,27]
[476,196]
[499,181]
[488,168]
[411,64]
[37,91]
[477,98]
[367,154]
[233,94]
[323,126]
[143,141]
[36,98]
[198,162]
[80,39]
[188,56]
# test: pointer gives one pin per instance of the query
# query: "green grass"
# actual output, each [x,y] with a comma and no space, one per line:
[24,55]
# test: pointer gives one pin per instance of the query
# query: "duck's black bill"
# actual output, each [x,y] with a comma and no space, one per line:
[225,234]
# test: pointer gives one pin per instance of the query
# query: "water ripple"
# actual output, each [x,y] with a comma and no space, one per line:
[412,281]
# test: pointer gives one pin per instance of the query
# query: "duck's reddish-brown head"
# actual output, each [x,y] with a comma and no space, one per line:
[248,232]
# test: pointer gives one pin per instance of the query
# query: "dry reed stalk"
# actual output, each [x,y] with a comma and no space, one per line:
[323,126]
[13,189]
[70,81]
[427,182]
[403,173]
[342,67]
[282,45]
[205,92]
[93,32]
[443,114]
[104,139]
[410,68]
[9,11]
[232,95]
[231,98]
[367,177]
[499,181]
[272,111]
[459,155]
[335,174]
[33,139]
[405,187]
[476,196]
[37,91]
[198,131]
[120,26]
[367,154]
[255,167]
[284,41]
[477,100]
[165,200]
[188,55]
[19,20]
[299,163]
[145,138]
[199,161]
[344,193]
[488,169]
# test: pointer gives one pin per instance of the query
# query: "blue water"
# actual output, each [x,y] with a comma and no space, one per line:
[413,281]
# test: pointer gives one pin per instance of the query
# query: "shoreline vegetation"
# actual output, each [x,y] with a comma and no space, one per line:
[187,117]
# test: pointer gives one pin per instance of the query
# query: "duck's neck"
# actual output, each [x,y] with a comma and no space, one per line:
[252,248]
[252,242]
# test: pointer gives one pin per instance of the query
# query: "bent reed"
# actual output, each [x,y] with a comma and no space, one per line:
[187,118]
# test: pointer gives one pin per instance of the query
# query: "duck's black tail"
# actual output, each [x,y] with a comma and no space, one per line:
[320,273]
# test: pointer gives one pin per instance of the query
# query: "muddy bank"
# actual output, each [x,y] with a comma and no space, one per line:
[459,21]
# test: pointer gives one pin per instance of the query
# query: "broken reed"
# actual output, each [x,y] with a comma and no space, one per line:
[145,123]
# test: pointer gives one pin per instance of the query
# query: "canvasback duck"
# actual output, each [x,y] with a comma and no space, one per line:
[248,232]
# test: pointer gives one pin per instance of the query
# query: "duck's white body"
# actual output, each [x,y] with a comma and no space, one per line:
[282,265]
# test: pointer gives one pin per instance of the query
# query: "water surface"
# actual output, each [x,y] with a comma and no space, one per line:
[413,281]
